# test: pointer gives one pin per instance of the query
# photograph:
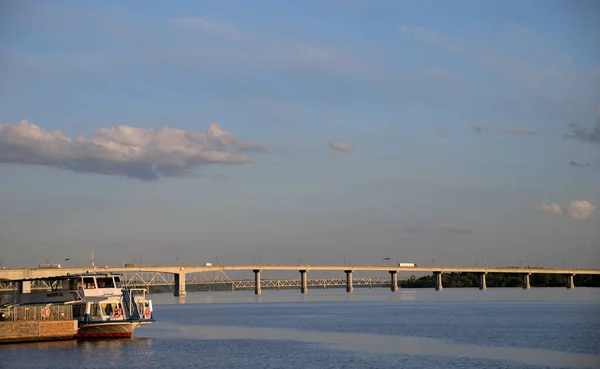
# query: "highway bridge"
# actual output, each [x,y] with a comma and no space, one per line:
[179,273]
[137,280]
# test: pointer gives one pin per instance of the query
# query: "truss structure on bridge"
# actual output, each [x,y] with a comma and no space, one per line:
[141,279]
[316,282]
[39,285]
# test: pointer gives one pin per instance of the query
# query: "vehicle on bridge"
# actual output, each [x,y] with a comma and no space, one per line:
[100,306]
[409,265]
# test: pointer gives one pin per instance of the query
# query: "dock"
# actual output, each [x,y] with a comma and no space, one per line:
[37,323]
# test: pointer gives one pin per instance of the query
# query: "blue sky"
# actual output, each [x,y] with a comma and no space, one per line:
[326,130]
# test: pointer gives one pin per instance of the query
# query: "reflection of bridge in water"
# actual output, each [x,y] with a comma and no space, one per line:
[150,279]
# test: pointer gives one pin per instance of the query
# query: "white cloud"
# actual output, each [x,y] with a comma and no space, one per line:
[551,208]
[579,209]
[520,130]
[142,153]
[341,146]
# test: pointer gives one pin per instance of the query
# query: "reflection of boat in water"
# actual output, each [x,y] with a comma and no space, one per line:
[100,306]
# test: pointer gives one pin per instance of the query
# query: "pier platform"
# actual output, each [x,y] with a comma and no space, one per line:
[31,331]
[37,323]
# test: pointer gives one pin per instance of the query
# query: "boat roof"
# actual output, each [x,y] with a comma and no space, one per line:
[69,276]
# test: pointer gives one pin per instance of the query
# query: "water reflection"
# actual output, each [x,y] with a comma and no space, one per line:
[90,344]
[385,344]
[285,296]
[497,328]
[383,294]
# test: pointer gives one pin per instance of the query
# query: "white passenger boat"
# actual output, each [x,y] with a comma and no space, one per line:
[101,307]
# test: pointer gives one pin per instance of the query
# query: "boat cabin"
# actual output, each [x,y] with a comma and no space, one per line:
[66,288]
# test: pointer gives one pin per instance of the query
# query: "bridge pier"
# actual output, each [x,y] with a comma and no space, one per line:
[303,282]
[349,286]
[438,281]
[570,281]
[179,284]
[482,284]
[25,287]
[257,290]
[394,285]
[526,285]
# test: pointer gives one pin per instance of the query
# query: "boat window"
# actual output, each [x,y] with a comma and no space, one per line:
[95,310]
[105,282]
[117,282]
[88,282]
[78,310]
[107,308]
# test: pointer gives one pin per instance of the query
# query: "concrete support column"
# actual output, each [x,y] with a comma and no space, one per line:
[349,286]
[526,284]
[180,284]
[25,287]
[303,282]
[482,284]
[438,281]
[257,290]
[570,282]
[394,284]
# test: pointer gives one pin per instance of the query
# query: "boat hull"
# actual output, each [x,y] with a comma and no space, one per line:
[106,330]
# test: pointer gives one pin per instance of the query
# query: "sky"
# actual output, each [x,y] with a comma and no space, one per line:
[325,131]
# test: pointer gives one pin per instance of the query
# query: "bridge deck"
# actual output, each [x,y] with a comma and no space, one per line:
[15,274]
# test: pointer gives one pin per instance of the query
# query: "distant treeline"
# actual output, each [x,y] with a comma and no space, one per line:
[501,280]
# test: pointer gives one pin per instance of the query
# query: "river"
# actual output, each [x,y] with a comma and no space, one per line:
[371,328]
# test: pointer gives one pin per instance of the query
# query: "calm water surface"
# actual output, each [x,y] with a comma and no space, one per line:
[497,328]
